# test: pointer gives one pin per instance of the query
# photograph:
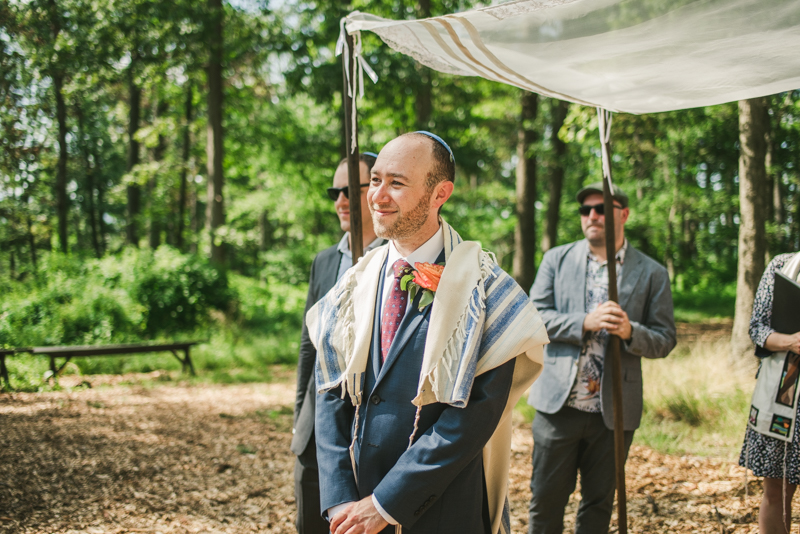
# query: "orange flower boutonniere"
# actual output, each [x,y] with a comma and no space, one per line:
[422,277]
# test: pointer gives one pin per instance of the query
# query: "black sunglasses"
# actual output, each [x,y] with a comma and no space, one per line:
[333,192]
[599,209]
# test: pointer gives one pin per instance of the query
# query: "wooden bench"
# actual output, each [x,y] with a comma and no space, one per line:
[69,352]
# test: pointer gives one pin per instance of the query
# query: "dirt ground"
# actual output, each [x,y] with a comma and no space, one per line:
[157,456]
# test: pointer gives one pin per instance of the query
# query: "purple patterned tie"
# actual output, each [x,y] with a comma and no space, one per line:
[393,309]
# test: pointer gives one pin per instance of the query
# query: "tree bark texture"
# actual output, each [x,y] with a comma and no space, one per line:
[133,191]
[215,208]
[555,178]
[524,266]
[753,127]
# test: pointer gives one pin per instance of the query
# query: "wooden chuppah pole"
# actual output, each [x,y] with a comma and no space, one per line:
[351,146]
[613,341]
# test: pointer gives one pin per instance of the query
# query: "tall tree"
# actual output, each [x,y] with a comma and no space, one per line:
[525,232]
[215,209]
[57,75]
[187,145]
[753,129]
[134,193]
[555,174]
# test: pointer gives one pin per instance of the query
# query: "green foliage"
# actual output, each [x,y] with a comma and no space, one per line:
[175,290]
[137,295]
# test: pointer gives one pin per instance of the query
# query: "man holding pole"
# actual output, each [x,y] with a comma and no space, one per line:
[573,427]
[328,267]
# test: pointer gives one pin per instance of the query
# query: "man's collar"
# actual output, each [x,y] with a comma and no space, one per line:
[620,254]
[344,245]
[427,252]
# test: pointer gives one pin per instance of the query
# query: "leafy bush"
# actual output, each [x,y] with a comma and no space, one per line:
[133,296]
[176,290]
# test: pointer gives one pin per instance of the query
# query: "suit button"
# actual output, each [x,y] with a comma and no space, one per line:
[375,399]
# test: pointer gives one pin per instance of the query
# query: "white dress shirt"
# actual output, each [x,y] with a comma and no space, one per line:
[428,252]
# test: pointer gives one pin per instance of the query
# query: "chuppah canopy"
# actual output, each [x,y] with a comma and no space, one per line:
[635,56]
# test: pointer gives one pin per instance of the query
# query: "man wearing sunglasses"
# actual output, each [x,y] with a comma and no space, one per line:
[573,427]
[328,267]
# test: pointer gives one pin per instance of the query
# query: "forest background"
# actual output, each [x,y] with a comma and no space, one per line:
[163,168]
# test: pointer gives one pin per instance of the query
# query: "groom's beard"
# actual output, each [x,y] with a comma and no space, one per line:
[406,224]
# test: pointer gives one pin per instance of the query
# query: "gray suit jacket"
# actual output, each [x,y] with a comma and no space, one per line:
[559,294]
[324,273]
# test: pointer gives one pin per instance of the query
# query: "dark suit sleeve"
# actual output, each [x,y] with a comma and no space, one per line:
[333,427]
[561,327]
[655,336]
[438,456]
[308,354]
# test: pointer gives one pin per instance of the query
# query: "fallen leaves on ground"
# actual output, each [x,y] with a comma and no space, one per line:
[215,458]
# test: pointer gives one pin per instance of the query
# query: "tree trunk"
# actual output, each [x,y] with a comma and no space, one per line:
[215,209]
[102,231]
[90,184]
[524,266]
[133,191]
[159,109]
[753,127]
[187,140]
[62,203]
[558,113]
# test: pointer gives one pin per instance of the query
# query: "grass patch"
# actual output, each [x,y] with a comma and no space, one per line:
[525,410]
[695,307]
[694,403]
[233,355]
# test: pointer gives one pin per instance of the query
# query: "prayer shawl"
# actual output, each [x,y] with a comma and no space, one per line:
[480,320]
[774,406]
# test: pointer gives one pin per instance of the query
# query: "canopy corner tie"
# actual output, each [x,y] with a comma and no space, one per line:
[355,86]
[604,127]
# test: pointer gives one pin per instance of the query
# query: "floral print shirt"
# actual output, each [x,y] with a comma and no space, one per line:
[585,393]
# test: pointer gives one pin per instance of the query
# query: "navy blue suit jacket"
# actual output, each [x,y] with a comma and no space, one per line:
[437,485]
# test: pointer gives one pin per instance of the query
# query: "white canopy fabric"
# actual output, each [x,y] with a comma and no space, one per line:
[635,56]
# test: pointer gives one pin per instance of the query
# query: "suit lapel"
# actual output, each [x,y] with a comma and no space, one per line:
[577,292]
[631,273]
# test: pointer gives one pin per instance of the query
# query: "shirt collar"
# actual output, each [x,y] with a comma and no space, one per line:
[344,245]
[428,252]
[620,254]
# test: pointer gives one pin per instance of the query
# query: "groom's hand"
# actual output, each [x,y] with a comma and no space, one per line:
[359,518]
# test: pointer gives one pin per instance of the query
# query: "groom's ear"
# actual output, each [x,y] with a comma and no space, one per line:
[441,192]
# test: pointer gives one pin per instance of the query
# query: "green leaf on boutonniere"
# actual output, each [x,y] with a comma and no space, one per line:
[425,299]
[412,291]
[405,280]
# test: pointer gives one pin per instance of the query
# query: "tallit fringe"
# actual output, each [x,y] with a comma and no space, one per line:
[475,308]
[346,320]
